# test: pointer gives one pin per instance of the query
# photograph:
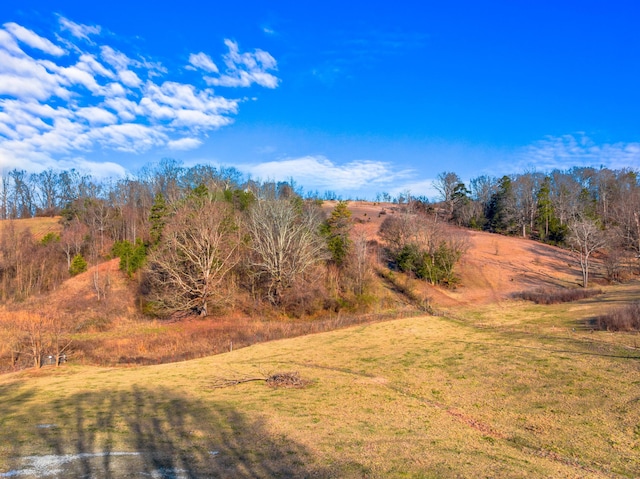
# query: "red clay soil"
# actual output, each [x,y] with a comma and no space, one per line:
[77,297]
[497,266]
[494,267]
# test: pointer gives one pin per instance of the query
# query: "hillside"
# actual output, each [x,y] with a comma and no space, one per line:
[497,266]
[39,227]
[494,267]
[110,330]
[494,387]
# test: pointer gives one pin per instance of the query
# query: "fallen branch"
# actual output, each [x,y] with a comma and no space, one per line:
[286,380]
[225,383]
[277,380]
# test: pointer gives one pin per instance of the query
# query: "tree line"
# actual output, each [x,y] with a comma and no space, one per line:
[202,240]
[586,209]
[193,238]
[196,237]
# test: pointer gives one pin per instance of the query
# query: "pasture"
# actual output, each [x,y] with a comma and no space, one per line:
[508,389]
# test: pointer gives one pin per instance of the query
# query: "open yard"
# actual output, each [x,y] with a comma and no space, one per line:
[508,389]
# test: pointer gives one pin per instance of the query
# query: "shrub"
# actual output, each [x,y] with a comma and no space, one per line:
[132,256]
[556,296]
[50,238]
[78,265]
[626,318]
[435,266]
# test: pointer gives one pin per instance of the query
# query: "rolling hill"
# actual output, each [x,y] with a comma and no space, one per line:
[492,387]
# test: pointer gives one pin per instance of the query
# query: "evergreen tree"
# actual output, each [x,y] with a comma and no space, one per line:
[337,229]
[500,211]
[78,265]
[550,229]
[157,218]
[132,256]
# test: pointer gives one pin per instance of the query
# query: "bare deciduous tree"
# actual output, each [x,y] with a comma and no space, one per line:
[451,189]
[585,237]
[198,249]
[360,262]
[72,239]
[285,242]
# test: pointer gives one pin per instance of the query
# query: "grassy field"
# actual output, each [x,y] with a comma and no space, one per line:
[39,227]
[505,390]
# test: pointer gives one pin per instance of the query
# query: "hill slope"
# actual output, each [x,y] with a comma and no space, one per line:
[110,330]
[497,388]
[494,267]
[416,397]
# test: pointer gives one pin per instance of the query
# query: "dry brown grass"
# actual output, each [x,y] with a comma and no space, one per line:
[556,295]
[494,267]
[622,318]
[508,391]
[39,227]
[493,388]
[112,331]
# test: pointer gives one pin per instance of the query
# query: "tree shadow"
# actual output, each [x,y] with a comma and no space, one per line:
[151,433]
[563,263]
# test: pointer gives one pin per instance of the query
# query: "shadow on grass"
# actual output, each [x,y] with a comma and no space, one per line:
[147,433]
[553,345]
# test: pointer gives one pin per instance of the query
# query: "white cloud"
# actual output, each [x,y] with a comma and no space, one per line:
[245,69]
[318,172]
[39,83]
[75,76]
[203,61]
[8,43]
[195,119]
[116,59]
[156,110]
[33,40]
[90,64]
[129,78]
[60,105]
[577,150]
[184,144]
[114,90]
[127,137]
[97,116]
[126,110]
[78,30]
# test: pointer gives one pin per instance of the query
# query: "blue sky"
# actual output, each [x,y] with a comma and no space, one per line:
[353,97]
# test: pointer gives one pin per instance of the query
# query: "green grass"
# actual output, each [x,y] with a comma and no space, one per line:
[508,390]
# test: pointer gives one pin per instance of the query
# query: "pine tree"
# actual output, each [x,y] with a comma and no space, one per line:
[78,265]
[337,229]
[500,211]
[157,218]
[550,229]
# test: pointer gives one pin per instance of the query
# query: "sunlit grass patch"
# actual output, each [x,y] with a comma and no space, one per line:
[507,390]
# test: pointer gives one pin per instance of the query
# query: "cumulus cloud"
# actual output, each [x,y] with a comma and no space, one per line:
[39,162]
[184,144]
[78,30]
[60,105]
[8,43]
[32,39]
[245,69]
[202,61]
[97,116]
